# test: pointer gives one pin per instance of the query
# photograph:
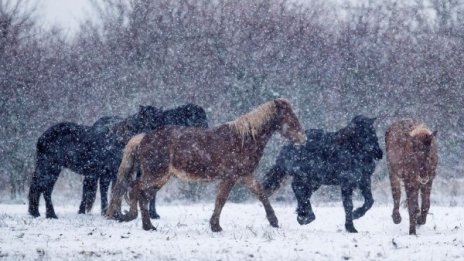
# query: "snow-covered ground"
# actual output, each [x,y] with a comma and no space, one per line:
[184,234]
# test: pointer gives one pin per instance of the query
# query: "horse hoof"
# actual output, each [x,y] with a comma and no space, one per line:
[129,216]
[34,214]
[351,229]
[216,228]
[396,218]
[154,216]
[149,228]
[274,223]
[51,216]
[421,221]
[304,220]
[111,215]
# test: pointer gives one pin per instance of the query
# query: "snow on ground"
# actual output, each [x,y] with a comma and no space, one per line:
[184,234]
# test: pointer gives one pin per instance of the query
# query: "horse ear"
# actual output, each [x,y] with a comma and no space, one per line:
[435,133]
[141,107]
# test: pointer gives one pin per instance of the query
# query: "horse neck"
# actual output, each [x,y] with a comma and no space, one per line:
[123,131]
[262,136]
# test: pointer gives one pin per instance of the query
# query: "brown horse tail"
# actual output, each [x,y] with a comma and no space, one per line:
[273,179]
[125,173]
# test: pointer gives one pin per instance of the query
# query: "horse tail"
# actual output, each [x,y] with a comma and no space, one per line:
[124,177]
[273,178]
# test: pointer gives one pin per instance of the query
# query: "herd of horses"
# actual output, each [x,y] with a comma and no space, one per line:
[139,154]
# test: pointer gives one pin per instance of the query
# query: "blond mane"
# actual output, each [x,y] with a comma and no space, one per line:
[252,122]
[420,129]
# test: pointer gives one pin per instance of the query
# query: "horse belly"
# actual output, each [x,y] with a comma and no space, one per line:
[186,175]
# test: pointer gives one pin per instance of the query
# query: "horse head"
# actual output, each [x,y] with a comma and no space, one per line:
[148,118]
[288,124]
[360,135]
[194,116]
[421,141]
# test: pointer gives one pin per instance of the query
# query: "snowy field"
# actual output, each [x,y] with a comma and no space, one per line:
[184,234]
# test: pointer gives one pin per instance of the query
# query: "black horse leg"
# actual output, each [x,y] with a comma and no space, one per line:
[347,192]
[368,200]
[89,191]
[303,192]
[41,180]
[34,196]
[152,212]
[104,185]
[49,183]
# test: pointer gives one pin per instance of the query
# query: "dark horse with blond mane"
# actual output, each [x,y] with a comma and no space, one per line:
[229,153]
[412,157]
[96,151]
[345,158]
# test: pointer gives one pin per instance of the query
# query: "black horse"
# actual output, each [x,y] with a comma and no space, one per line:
[344,158]
[96,151]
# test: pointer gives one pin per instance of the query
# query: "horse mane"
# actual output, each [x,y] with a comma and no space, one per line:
[420,131]
[252,122]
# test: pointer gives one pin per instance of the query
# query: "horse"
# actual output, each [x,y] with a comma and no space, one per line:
[186,115]
[229,153]
[344,158]
[95,151]
[412,157]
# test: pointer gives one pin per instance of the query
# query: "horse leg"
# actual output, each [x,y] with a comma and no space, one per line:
[144,199]
[253,185]
[49,183]
[412,195]
[89,191]
[396,193]
[34,197]
[105,181]
[34,193]
[134,194]
[225,186]
[425,203]
[152,205]
[152,211]
[303,191]
[368,199]
[40,180]
[347,192]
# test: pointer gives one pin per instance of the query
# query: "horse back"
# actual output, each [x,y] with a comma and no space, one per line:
[195,153]
[399,147]
[316,154]
[61,133]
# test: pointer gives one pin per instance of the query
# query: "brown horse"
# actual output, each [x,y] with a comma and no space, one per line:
[229,153]
[412,157]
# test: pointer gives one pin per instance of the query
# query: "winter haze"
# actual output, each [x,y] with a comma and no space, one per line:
[82,60]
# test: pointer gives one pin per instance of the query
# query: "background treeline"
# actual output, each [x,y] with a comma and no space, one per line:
[389,59]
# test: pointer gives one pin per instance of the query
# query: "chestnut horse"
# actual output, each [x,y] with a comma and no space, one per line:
[412,157]
[229,153]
